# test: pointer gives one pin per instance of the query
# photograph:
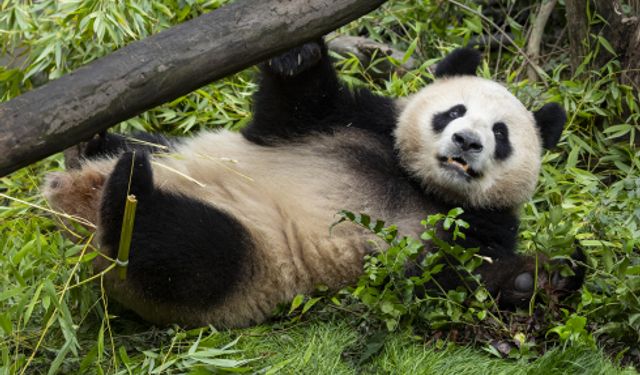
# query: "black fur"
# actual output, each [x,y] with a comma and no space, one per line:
[288,107]
[183,252]
[296,60]
[550,119]
[503,145]
[110,144]
[460,62]
[574,282]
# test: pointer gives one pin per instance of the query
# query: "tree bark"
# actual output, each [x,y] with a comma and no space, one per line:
[631,65]
[577,27]
[622,30]
[160,68]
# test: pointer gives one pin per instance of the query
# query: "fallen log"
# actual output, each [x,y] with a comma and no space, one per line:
[158,69]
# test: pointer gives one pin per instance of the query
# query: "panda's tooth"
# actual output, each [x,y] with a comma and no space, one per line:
[299,59]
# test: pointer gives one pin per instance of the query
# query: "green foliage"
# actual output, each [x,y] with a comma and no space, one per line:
[53,318]
[573,331]
[45,39]
[391,296]
[396,301]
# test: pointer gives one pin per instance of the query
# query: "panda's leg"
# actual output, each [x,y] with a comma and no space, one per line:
[104,144]
[110,144]
[299,90]
[506,274]
[300,93]
[185,255]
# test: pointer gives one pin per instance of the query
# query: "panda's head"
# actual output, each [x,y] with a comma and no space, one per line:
[470,141]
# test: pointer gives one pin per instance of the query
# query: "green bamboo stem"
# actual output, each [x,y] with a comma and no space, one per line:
[125,236]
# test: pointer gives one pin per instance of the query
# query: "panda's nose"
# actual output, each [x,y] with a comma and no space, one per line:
[467,140]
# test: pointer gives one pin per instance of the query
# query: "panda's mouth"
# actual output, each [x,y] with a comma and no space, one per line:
[459,165]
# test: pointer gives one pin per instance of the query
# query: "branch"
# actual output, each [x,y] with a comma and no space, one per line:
[160,68]
[535,39]
[365,49]
[506,36]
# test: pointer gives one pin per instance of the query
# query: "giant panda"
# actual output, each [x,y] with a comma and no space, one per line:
[231,224]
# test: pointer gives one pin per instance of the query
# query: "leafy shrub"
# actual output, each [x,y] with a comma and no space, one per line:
[467,314]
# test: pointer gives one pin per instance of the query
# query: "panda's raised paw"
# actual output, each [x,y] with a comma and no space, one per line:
[296,60]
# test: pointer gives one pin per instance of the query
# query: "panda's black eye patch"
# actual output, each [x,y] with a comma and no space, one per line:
[503,146]
[442,119]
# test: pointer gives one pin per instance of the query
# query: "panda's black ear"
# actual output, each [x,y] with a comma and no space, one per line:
[550,119]
[460,62]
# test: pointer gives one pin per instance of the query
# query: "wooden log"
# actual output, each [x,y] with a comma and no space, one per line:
[158,69]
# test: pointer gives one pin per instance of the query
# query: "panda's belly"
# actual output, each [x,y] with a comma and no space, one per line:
[263,186]
[288,198]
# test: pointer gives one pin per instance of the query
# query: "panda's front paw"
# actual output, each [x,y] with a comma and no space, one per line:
[296,60]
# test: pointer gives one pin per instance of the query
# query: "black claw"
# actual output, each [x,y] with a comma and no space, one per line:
[575,281]
[296,60]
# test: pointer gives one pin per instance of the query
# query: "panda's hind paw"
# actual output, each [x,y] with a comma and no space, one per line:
[131,175]
[296,60]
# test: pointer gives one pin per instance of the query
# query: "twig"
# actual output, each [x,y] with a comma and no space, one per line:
[535,38]
[62,214]
[506,36]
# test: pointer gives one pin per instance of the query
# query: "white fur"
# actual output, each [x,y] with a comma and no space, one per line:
[506,183]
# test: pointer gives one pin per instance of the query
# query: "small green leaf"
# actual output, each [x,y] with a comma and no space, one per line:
[297,301]
[605,43]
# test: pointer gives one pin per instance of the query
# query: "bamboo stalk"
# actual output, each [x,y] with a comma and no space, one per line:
[125,236]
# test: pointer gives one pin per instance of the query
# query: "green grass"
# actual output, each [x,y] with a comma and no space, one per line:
[317,347]
[54,319]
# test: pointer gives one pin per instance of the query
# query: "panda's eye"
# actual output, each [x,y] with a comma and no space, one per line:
[503,146]
[500,131]
[442,119]
[456,112]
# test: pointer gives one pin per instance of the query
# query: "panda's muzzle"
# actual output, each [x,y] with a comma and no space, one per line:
[458,164]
